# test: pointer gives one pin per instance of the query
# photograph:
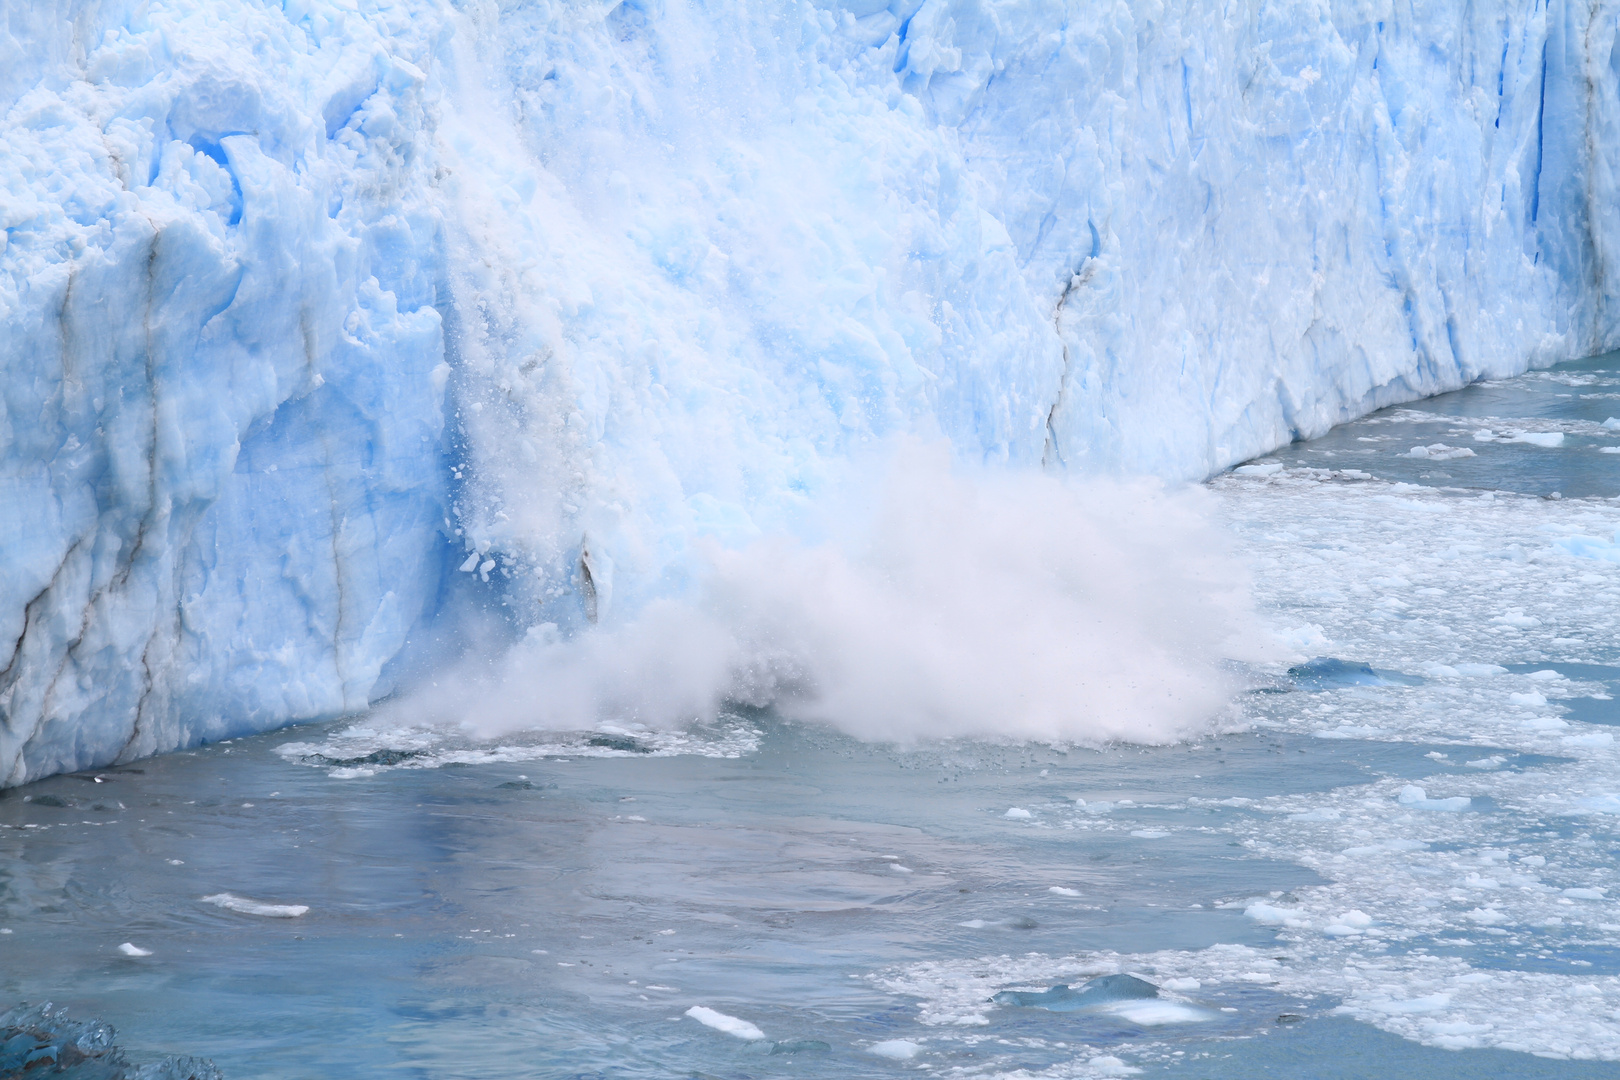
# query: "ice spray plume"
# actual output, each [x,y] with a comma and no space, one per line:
[935,603]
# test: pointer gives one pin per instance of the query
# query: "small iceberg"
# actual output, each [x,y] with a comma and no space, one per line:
[1327,672]
[730,1025]
[245,906]
[1125,996]
[1061,998]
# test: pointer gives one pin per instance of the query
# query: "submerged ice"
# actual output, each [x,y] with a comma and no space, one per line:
[327,323]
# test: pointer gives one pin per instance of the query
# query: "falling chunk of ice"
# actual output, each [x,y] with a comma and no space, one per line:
[129,949]
[255,907]
[896,1049]
[730,1025]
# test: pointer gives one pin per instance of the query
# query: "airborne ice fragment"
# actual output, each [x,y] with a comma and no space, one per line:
[255,907]
[730,1025]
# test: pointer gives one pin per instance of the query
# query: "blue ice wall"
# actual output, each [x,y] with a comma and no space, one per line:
[308,309]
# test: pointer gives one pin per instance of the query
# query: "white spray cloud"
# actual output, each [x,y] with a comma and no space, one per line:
[934,603]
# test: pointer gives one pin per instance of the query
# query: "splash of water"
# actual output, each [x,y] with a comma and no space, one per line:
[931,602]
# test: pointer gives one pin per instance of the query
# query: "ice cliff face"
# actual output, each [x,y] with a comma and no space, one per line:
[306,308]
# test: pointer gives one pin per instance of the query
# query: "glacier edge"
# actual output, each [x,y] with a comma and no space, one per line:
[308,305]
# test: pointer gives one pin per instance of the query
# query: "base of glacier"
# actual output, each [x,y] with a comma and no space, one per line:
[1403,866]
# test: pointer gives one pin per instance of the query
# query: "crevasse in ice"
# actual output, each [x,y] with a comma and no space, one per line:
[306,307]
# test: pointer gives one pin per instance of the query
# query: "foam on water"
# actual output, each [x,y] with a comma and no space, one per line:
[1447,905]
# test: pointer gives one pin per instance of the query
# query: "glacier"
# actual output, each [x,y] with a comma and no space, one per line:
[325,320]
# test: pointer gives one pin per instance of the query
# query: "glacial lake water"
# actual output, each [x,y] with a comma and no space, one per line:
[1403,864]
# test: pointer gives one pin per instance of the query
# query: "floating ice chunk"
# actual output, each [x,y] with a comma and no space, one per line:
[1182,986]
[1545,675]
[1516,618]
[1107,990]
[730,1025]
[1485,916]
[1325,672]
[1417,798]
[1440,452]
[1149,834]
[1061,891]
[1261,469]
[129,949]
[1591,547]
[801,1046]
[1532,698]
[1109,1065]
[895,1049]
[1431,1003]
[1321,814]
[1263,912]
[1474,670]
[255,907]
[1546,439]
[1156,1013]
[1596,738]
[1609,449]
[1018,813]
[1349,924]
[1612,423]
[1544,723]
[1585,894]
